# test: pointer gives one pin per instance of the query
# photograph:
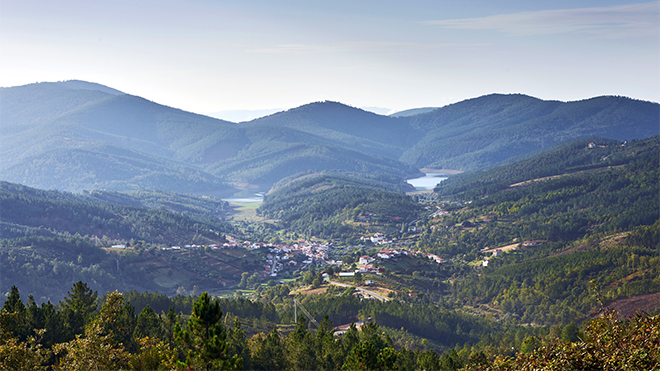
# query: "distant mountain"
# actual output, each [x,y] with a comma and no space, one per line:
[483,131]
[351,127]
[72,137]
[242,115]
[412,112]
[84,85]
[76,135]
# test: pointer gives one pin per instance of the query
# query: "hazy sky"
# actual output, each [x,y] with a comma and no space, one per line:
[205,56]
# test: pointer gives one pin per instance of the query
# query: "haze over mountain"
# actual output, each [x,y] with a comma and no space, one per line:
[76,135]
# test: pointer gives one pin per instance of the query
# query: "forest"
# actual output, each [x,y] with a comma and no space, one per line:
[521,267]
[73,335]
[327,205]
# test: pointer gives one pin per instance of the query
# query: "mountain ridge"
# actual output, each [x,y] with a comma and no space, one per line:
[38,120]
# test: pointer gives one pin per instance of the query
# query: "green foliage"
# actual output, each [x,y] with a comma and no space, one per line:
[571,157]
[26,210]
[79,306]
[609,343]
[99,348]
[204,339]
[269,352]
[17,355]
[320,205]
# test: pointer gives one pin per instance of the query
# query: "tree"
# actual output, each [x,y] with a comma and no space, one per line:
[268,352]
[17,355]
[148,324]
[204,339]
[97,350]
[238,344]
[15,305]
[154,354]
[79,304]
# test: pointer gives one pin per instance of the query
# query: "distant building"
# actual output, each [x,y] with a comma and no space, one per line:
[118,246]
[365,259]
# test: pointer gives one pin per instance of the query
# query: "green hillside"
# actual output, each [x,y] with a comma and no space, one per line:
[576,229]
[28,211]
[483,131]
[574,156]
[350,127]
[571,222]
[50,237]
[332,206]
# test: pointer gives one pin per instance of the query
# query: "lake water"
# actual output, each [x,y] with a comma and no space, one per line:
[246,197]
[428,181]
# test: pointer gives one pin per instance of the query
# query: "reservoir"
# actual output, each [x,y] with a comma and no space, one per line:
[428,181]
[246,197]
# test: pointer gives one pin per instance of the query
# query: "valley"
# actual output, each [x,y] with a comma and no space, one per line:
[356,217]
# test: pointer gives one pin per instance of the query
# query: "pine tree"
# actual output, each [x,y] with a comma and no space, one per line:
[204,339]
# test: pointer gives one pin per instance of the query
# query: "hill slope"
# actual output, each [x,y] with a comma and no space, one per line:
[73,137]
[76,135]
[483,131]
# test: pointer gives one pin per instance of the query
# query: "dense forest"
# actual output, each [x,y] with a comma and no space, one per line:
[332,205]
[28,211]
[74,335]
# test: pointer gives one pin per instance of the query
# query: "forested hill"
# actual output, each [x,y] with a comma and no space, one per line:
[338,205]
[57,135]
[483,131]
[51,237]
[359,129]
[28,212]
[75,135]
[572,157]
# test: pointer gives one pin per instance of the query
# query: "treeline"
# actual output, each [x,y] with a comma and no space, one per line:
[320,205]
[73,336]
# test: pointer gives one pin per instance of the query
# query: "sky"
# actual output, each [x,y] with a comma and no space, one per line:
[208,56]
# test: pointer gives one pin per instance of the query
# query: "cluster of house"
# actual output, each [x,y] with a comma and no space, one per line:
[283,255]
[231,243]
[377,239]
[366,262]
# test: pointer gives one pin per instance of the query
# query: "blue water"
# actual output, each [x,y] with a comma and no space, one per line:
[428,181]
[246,198]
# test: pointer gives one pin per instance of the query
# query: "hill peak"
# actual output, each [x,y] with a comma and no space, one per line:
[84,85]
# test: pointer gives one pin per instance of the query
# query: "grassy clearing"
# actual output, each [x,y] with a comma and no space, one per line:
[247,211]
